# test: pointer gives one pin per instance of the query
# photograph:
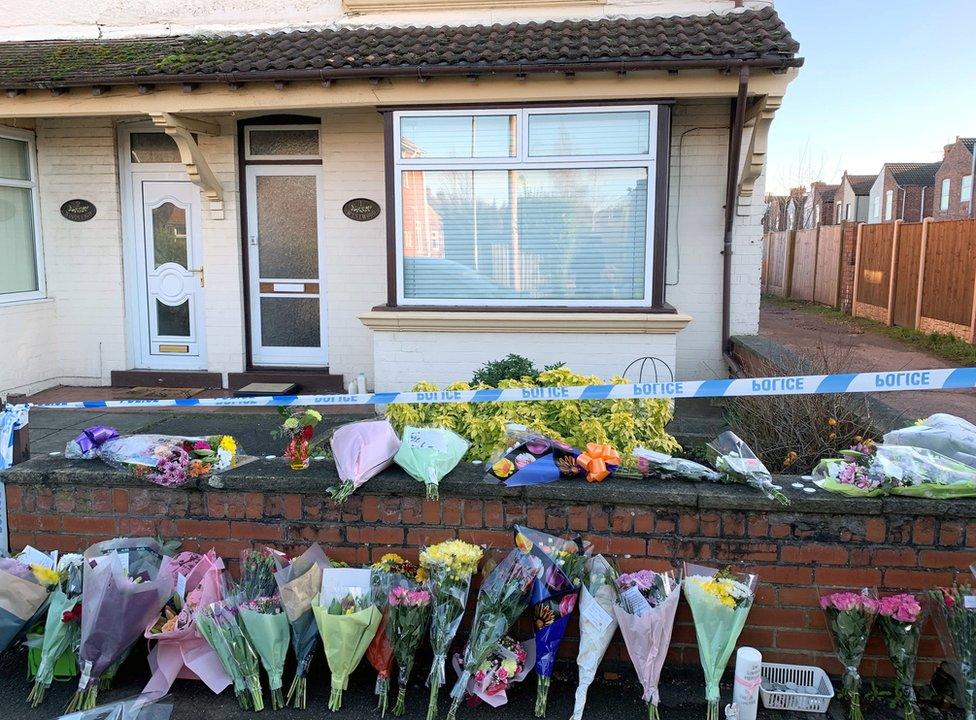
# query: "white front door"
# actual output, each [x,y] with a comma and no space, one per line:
[286,270]
[170,268]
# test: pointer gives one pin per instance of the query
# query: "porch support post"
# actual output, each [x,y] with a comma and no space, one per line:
[181,129]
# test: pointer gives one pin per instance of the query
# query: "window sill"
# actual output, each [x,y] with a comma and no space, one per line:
[536,320]
[20,302]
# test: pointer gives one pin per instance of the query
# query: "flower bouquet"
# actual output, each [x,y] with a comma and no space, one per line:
[267,628]
[62,626]
[720,601]
[506,664]
[257,574]
[738,464]
[167,460]
[180,650]
[901,618]
[448,567]
[409,610]
[534,459]
[428,454]
[347,620]
[554,593]
[124,586]
[955,621]
[503,597]
[218,623]
[849,617]
[24,590]
[651,463]
[597,625]
[945,434]
[298,427]
[299,583]
[361,450]
[646,604]
[868,470]
[386,573]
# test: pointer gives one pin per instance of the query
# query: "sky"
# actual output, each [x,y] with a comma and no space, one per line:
[883,81]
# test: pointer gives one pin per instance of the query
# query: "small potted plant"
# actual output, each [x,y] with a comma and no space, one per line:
[298,427]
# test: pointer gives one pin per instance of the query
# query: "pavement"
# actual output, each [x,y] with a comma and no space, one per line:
[682,697]
[851,349]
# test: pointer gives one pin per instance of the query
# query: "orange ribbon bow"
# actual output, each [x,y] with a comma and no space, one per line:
[595,461]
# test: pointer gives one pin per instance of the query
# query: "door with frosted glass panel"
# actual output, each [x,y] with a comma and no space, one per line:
[171,250]
[285,263]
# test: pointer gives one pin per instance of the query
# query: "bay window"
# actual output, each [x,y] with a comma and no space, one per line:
[526,207]
[21,272]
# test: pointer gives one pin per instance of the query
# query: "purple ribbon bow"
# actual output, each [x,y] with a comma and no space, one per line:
[92,438]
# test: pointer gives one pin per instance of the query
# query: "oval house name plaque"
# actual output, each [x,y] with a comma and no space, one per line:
[78,210]
[361,210]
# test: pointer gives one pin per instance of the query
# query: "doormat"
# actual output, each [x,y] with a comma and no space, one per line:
[159,393]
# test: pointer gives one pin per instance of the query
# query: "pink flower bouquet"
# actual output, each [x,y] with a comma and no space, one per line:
[361,450]
[180,650]
[849,617]
[902,617]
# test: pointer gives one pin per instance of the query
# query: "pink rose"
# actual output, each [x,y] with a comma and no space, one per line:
[201,445]
[567,604]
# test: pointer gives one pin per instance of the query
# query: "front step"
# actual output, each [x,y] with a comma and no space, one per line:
[167,379]
[307,381]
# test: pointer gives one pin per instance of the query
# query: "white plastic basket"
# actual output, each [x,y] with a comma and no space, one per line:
[806,678]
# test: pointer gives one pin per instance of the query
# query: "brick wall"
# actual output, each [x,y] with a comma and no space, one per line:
[958,163]
[822,541]
[848,251]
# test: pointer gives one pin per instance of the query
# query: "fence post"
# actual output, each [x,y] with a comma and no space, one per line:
[921,272]
[972,322]
[857,269]
[816,263]
[892,272]
[840,264]
[788,279]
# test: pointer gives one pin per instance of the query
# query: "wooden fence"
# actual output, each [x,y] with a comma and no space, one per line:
[816,265]
[917,275]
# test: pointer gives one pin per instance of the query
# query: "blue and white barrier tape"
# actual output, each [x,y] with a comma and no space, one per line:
[946,379]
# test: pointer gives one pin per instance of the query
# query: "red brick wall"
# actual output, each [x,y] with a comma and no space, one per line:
[848,251]
[957,164]
[794,551]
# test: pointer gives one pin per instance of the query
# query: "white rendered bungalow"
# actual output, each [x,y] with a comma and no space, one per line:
[206,196]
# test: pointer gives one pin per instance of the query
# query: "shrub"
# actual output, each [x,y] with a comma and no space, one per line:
[794,432]
[510,367]
[624,424]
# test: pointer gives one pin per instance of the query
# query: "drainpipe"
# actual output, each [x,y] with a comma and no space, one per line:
[731,192]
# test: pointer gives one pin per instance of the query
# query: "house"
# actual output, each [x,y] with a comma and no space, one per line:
[775,217]
[954,182]
[821,204]
[853,198]
[902,191]
[401,188]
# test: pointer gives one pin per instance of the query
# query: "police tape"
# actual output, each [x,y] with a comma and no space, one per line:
[911,380]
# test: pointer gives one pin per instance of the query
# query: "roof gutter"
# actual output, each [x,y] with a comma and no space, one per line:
[416,72]
[731,192]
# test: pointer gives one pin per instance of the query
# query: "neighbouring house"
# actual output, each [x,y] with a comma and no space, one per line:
[902,191]
[402,188]
[775,216]
[821,210]
[853,198]
[954,182]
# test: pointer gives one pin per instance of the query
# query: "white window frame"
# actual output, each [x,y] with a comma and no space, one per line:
[521,160]
[889,205]
[946,194]
[966,193]
[32,184]
[263,128]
